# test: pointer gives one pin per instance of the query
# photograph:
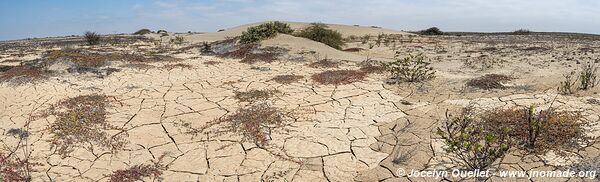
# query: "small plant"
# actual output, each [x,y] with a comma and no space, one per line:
[431,31]
[82,120]
[264,31]
[287,79]
[139,172]
[178,40]
[472,144]
[380,39]
[587,76]
[92,38]
[255,122]
[339,77]
[142,32]
[566,87]
[489,81]
[319,32]
[410,69]
[255,95]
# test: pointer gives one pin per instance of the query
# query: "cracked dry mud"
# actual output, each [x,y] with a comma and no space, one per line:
[351,132]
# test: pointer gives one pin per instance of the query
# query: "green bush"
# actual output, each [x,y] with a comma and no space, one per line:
[410,69]
[319,32]
[473,145]
[431,31]
[264,31]
[142,32]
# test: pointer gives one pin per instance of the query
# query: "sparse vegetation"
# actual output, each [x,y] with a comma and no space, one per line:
[431,31]
[480,140]
[339,77]
[255,95]
[473,145]
[255,122]
[410,69]
[139,172]
[588,76]
[82,120]
[566,87]
[264,31]
[489,81]
[19,75]
[537,131]
[287,79]
[92,38]
[319,32]
[178,40]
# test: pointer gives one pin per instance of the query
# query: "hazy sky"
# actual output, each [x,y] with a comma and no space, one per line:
[40,18]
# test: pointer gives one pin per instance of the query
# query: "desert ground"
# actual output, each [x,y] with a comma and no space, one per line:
[210,109]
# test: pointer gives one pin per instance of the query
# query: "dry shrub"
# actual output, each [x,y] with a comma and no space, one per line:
[324,63]
[588,75]
[14,169]
[22,74]
[139,172]
[85,58]
[537,131]
[256,57]
[567,86]
[489,81]
[255,95]
[339,77]
[255,122]
[92,38]
[240,52]
[82,120]
[287,79]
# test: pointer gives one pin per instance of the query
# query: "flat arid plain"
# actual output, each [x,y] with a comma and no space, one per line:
[218,106]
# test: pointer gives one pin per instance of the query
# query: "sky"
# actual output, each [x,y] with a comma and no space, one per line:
[41,18]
